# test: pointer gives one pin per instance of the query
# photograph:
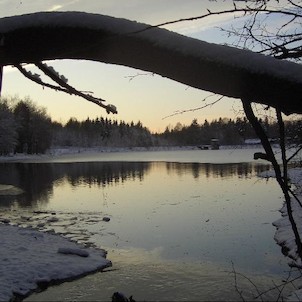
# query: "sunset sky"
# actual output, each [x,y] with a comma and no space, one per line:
[152,99]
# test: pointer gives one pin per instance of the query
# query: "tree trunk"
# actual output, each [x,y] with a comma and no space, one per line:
[282,179]
[1,77]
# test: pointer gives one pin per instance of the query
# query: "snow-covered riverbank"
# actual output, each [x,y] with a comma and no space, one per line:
[56,153]
[284,235]
[32,259]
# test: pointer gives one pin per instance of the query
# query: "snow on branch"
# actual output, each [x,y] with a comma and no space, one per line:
[219,69]
[37,79]
[63,86]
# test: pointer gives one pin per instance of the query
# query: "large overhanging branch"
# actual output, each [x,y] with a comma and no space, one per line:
[220,69]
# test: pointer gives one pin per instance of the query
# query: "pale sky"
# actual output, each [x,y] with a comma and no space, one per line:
[148,98]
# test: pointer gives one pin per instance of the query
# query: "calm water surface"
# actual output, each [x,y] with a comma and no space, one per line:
[177,225]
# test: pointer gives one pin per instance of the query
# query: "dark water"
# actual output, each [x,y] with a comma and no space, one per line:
[176,231]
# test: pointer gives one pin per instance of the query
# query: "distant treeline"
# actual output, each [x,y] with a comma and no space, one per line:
[229,131]
[101,132]
[26,128]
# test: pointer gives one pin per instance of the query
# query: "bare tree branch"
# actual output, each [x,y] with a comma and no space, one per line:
[132,77]
[275,44]
[247,278]
[37,80]
[294,154]
[279,177]
[194,109]
[295,196]
[71,90]
[63,86]
[245,11]
[287,281]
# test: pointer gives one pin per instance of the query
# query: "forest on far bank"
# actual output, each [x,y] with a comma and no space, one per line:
[27,128]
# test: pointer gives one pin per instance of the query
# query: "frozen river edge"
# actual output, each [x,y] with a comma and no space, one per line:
[33,260]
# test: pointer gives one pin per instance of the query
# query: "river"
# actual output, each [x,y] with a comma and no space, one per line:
[183,224]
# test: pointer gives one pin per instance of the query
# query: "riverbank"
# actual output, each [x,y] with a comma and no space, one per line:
[181,154]
[58,152]
[32,260]
[55,153]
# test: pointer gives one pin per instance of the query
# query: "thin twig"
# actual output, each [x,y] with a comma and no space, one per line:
[247,278]
[277,286]
[248,10]
[132,77]
[194,109]
[295,153]
[236,284]
[295,196]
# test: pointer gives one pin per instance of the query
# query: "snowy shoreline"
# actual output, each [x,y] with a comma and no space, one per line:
[56,153]
[61,151]
[33,260]
[284,235]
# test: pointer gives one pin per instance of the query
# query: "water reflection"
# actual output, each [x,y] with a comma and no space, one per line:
[208,170]
[37,180]
[102,174]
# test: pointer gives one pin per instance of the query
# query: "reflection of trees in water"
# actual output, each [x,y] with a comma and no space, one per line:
[37,179]
[104,173]
[34,179]
[242,170]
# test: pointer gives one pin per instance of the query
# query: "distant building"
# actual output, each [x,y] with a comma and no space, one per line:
[215,144]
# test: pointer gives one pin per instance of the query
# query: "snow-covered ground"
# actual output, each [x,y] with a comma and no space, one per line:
[61,151]
[30,259]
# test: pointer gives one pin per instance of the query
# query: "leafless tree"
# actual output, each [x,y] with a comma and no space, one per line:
[271,27]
